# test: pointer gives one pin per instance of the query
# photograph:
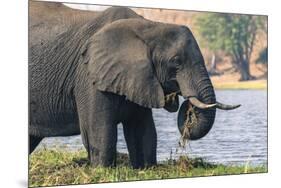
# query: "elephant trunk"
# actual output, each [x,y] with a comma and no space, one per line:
[205,93]
[197,88]
[200,94]
[195,85]
[205,117]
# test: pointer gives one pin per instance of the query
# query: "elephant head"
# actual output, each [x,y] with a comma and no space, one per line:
[147,61]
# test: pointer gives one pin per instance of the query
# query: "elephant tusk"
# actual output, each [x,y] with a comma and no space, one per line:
[226,107]
[195,102]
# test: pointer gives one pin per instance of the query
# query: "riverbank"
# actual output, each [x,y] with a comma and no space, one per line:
[253,84]
[55,167]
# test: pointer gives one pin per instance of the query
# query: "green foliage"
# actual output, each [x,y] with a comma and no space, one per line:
[262,23]
[229,32]
[234,34]
[53,167]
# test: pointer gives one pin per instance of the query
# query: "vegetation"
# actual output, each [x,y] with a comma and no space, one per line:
[54,167]
[262,57]
[234,34]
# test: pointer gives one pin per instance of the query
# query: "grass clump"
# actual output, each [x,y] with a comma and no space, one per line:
[54,167]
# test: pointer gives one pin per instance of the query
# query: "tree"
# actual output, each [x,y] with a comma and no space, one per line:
[262,59]
[263,55]
[234,34]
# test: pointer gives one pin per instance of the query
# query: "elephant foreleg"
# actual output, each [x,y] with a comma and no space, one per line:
[141,139]
[100,138]
[98,126]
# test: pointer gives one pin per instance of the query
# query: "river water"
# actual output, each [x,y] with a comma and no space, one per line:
[238,137]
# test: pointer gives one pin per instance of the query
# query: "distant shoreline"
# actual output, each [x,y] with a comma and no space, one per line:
[253,84]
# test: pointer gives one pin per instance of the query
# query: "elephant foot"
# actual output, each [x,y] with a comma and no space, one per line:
[143,165]
[102,158]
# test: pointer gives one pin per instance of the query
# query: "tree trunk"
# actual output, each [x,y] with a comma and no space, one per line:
[214,63]
[244,70]
[213,69]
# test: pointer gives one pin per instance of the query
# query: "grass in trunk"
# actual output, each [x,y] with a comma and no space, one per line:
[58,167]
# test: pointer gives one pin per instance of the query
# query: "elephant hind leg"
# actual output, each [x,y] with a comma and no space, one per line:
[33,142]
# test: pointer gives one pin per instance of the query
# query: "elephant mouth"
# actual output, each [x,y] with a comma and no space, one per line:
[170,97]
[171,102]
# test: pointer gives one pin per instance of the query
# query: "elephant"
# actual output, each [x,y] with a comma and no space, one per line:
[114,69]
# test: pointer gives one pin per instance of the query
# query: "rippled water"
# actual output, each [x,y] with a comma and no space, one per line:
[237,137]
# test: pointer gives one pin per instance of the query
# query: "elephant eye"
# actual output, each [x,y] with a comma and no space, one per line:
[176,60]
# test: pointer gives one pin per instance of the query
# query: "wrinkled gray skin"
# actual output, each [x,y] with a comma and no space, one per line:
[112,70]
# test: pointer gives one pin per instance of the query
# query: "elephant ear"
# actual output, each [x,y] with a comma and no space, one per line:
[119,62]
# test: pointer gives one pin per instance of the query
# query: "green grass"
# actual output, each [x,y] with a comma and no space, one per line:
[55,167]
